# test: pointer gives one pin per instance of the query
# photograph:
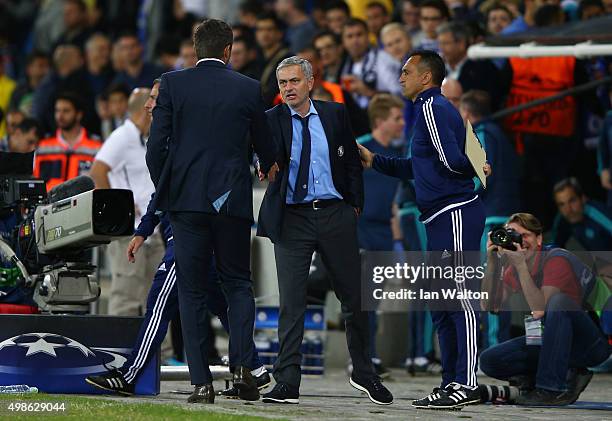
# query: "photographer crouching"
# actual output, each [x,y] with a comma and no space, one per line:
[548,365]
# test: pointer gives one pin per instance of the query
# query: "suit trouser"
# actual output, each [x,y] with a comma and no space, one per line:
[331,232]
[197,235]
[374,236]
[457,323]
[162,307]
[130,282]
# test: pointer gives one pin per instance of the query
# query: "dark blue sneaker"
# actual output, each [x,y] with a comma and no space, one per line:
[375,390]
[282,393]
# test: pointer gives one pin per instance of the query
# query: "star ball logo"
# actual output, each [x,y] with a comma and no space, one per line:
[52,354]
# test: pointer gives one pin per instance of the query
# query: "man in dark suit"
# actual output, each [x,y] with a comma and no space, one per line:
[198,156]
[454,40]
[313,205]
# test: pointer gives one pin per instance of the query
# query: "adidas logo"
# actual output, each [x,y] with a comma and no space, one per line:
[446,254]
[162,266]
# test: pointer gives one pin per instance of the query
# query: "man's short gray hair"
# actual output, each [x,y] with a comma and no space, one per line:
[459,31]
[296,61]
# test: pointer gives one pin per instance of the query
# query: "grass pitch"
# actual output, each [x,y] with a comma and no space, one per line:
[27,406]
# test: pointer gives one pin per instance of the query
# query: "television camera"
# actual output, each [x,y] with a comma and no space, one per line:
[51,234]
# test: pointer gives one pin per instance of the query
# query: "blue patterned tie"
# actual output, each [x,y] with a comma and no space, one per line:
[300,189]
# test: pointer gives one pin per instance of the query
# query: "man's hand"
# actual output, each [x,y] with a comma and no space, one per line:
[272,173]
[605,179]
[366,156]
[260,174]
[487,169]
[133,247]
[491,248]
[514,257]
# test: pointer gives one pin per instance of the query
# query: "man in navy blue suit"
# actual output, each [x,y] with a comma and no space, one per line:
[198,155]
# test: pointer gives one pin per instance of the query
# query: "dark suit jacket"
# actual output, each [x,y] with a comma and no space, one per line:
[343,156]
[199,147]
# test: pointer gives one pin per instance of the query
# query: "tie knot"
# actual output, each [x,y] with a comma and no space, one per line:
[303,120]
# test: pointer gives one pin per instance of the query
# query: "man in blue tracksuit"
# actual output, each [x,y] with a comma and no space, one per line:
[162,307]
[452,213]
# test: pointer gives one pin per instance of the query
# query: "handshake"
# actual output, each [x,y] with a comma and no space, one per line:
[271,175]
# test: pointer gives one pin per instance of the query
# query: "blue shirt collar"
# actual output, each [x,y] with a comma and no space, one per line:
[311,110]
[428,93]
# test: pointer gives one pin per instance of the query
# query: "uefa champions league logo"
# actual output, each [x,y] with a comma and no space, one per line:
[57,354]
[44,346]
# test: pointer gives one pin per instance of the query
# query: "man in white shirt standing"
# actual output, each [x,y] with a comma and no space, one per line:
[120,164]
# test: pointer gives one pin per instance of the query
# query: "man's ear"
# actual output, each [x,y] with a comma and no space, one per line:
[227,53]
[426,78]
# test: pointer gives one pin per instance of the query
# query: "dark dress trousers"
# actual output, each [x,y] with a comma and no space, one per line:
[206,122]
[297,232]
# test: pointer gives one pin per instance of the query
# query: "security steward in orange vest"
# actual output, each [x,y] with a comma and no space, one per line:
[71,151]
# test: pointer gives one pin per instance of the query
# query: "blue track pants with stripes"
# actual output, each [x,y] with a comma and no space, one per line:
[457,322]
[162,306]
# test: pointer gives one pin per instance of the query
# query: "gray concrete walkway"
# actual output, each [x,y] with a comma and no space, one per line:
[332,398]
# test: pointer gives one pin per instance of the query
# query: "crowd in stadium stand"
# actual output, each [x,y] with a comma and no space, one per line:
[68,68]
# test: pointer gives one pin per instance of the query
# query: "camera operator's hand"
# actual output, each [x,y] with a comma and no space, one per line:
[491,248]
[514,257]
[133,247]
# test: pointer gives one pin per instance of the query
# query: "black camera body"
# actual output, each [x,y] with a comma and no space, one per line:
[506,237]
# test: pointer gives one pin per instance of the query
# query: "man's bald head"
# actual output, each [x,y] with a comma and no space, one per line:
[452,90]
[137,100]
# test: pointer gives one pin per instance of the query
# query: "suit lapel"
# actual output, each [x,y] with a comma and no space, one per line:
[286,128]
[327,128]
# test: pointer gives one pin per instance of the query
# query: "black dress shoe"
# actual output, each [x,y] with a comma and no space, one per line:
[262,381]
[202,394]
[245,383]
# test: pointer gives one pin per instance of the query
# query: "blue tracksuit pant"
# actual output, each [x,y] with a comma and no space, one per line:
[162,306]
[453,231]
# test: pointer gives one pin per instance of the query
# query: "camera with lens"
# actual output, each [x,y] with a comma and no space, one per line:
[506,237]
[52,233]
